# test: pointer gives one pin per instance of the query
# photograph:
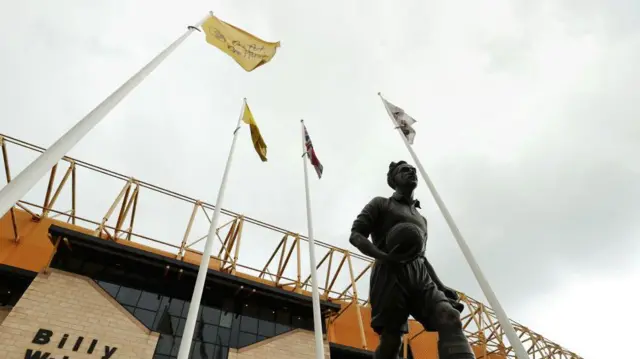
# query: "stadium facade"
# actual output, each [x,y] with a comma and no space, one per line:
[74,287]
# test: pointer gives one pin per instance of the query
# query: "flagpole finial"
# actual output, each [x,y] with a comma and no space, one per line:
[301,120]
[211,13]
[379,94]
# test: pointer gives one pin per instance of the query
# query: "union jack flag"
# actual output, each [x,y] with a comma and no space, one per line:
[311,153]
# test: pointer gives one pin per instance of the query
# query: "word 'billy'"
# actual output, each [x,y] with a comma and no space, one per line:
[43,337]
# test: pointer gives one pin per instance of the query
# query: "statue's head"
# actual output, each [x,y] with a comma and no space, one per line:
[402,175]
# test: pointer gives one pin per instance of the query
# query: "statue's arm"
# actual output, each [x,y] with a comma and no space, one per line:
[434,276]
[365,246]
[362,228]
[448,292]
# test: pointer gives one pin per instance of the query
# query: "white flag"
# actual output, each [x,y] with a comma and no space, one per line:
[403,121]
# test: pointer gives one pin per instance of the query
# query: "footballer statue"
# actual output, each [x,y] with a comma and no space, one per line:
[403,282]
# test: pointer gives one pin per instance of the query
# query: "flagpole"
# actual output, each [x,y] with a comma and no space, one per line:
[315,296]
[505,323]
[196,298]
[20,186]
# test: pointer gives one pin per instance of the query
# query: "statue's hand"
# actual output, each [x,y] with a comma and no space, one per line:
[450,293]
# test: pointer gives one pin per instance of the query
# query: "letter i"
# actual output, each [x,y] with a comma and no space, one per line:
[63,340]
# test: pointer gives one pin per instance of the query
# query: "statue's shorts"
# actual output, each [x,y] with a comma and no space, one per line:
[399,290]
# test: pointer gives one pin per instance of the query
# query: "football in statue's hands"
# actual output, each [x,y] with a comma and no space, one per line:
[405,239]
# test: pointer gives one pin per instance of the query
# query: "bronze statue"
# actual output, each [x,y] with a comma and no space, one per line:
[403,282]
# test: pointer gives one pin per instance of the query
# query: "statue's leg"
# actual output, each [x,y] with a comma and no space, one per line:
[390,345]
[452,343]
[433,310]
[389,311]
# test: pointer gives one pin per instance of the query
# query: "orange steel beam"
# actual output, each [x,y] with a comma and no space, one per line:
[5,161]
[480,323]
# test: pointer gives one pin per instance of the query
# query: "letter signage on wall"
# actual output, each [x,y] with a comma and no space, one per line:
[79,344]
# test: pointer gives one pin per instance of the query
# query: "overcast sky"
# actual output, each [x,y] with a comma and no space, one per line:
[527,123]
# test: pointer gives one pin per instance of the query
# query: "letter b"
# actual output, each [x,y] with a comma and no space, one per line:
[43,336]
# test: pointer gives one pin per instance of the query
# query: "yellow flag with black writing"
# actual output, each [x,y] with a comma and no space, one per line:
[247,50]
[256,137]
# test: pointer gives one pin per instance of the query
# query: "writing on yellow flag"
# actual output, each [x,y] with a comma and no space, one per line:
[247,50]
[256,137]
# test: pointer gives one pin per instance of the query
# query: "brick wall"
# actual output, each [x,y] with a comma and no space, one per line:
[62,303]
[296,344]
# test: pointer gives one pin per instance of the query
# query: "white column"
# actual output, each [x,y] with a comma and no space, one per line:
[521,353]
[315,296]
[196,298]
[20,186]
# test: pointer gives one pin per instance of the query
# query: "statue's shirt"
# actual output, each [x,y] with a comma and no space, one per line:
[397,290]
[381,214]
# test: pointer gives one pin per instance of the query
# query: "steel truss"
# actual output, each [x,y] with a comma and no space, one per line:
[335,267]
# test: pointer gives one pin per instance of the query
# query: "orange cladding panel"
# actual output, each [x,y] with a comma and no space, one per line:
[346,330]
[34,249]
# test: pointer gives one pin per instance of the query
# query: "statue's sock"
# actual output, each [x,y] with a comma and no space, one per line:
[454,346]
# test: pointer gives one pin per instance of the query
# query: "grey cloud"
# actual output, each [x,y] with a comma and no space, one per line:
[535,157]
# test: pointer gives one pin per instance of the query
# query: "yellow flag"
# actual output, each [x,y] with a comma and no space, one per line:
[249,51]
[256,137]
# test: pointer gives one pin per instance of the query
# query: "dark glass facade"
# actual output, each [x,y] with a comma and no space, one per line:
[13,283]
[234,324]
[234,312]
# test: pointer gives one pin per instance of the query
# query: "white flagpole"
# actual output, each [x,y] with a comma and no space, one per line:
[521,353]
[20,186]
[196,298]
[315,296]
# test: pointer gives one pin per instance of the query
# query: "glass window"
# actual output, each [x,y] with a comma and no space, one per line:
[246,339]
[302,322]
[282,329]
[209,333]
[224,335]
[128,296]
[110,288]
[163,322]
[235,330]
[176,346]
[267,313]
[74,264]
[266,328]
[249,324]
[185,309]
[297,321]
[226,319]
[90,269]
[250,309]
[149,301]
[175,323]
[283,317]
[164,344]
[211,315]
[308,324]
[146,317]
[175,307]
[220,352]
[203,351]
[228,305]
[222,324]
[180,327]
